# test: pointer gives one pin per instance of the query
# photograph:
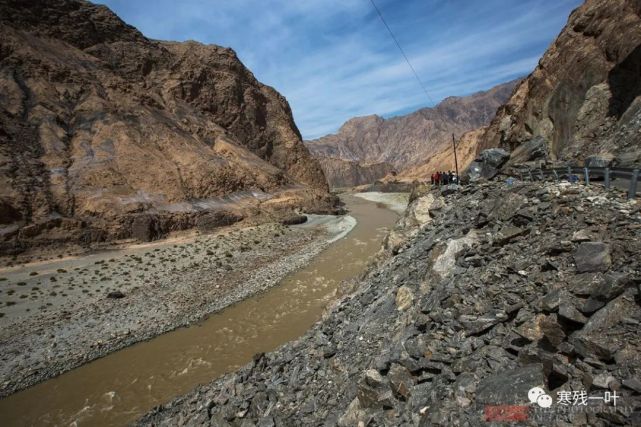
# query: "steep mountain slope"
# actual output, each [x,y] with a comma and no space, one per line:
[99,125]
[444,160]
[410,140]
[584,97]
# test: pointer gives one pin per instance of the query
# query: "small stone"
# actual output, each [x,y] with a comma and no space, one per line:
[552,331]
[531,328]
[401,380]
[463,402]
[477,324]
[602,380]
[507,234]
[404,298]
[559,248]
[581,236]
[115,295]
[550,302]
[373,378]
[569,312]
[592,257]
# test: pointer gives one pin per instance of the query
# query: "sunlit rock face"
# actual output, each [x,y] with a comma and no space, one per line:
[99,123]
[583,98]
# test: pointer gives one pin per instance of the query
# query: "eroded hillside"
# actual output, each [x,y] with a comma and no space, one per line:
[105,134]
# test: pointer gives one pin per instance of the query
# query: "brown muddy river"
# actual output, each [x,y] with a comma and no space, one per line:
[120,387]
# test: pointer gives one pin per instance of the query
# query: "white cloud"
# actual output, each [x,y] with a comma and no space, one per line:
[333,59]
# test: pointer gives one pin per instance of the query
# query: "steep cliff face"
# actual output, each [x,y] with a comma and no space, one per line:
[584,96]
[99,123]
[412,140]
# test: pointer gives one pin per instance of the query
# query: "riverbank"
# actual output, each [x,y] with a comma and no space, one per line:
[57,315]
[122,386]
[495,290]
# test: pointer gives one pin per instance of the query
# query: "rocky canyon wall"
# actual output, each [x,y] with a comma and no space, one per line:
[584,96]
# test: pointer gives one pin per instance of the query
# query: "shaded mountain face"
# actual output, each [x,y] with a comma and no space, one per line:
[99,123]
[584,97]
[408,141]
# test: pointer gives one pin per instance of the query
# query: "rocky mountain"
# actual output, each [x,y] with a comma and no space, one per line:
[444,159]
[408,141]
[584,98]
[480,296]
[106,134]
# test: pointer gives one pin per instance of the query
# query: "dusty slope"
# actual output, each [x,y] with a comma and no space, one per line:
[99,124]
[482,295]
[411,140]
[584,96]
[444,160]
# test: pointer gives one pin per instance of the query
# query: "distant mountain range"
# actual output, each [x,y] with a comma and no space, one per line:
[368,148]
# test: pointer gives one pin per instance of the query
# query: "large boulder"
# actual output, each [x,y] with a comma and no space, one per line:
[486,165]
[144,228]
[592,257]
[599,161]
[418,213]
[510,386]
[535,149]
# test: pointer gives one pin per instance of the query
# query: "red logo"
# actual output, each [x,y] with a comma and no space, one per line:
[506,413]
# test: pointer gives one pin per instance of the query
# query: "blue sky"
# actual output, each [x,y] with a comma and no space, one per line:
[333,59]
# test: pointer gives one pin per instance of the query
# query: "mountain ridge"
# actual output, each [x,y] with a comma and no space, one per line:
[402,141]
[100,126]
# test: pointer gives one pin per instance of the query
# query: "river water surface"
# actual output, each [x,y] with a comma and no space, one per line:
[118,388]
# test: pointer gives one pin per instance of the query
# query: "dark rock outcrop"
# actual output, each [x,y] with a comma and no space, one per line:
[294,220]
[486,165]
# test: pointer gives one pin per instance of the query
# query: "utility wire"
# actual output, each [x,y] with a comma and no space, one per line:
[418,79]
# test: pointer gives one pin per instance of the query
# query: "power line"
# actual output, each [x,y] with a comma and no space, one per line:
[418,79]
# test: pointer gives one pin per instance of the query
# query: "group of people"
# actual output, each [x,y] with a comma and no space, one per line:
[444,178]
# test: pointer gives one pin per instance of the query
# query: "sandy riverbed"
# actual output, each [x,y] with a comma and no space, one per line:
[56,315]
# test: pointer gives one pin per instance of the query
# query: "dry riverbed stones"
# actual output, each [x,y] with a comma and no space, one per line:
[505,289]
